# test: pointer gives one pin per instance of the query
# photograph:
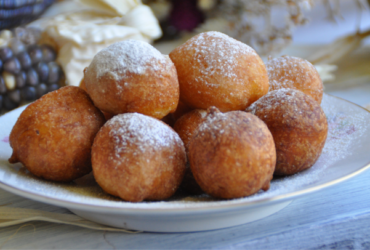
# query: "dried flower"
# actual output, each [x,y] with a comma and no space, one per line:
[266,25]
[251,21]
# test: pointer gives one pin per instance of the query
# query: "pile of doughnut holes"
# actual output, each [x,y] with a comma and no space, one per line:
[211,118]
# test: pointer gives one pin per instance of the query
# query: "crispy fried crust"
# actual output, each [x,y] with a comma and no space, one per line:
[295,73]
[232,155]
[136,157]
[151,88]
[53,136]
[82,85]
[188,124]
[186,127]
[216,70]
[181,110]
[298,125]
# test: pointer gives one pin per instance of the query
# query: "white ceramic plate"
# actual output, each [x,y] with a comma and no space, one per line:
[345,155]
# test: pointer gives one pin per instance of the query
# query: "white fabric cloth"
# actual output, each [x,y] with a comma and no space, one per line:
[93,25]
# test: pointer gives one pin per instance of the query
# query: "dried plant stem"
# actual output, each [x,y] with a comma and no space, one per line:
[340,48]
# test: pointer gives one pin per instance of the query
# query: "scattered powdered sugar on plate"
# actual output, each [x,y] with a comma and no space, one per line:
[348,126]
[126,56]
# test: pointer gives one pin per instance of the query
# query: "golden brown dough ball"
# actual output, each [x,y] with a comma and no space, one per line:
[168,119]
[186,127]
[217,70]
[137,157]
[295,73]
[82,84]
[298,125]
[181,110]
[107,116]
[53,136]
[232,155]
[132,76]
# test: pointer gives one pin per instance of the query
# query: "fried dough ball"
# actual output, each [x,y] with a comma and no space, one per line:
[107,116]
[298,125]
[132,76]
[217,70]
[232,155]
[295,73]
[181,110]
[82,84]
[137,157]
[53,136]
[186,127]
[168,119]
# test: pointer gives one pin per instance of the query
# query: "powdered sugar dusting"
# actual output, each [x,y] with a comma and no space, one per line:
[344,130]
[217,53]
[126,56]
[273,99]
[202,113]
[213,123]
[144,132]
[348,129]
[293,72]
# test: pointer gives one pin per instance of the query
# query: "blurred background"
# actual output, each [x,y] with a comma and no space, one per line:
[46,44]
